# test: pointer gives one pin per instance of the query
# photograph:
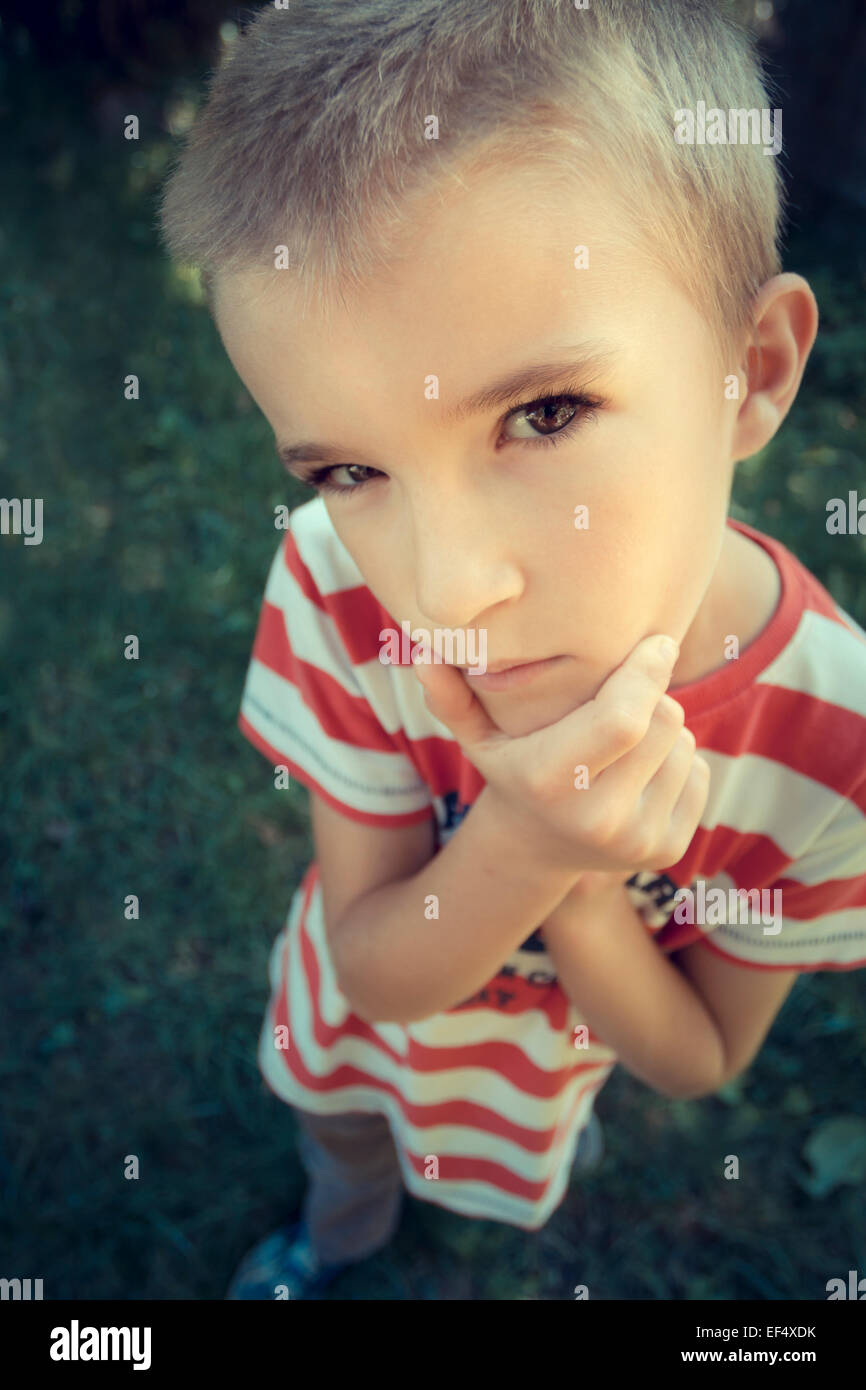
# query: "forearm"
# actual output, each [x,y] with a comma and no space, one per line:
[631,996]
[396,962]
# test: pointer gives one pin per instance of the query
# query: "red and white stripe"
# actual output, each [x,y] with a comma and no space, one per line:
[499,1093]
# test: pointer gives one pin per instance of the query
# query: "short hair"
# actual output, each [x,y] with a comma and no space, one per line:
[315,134]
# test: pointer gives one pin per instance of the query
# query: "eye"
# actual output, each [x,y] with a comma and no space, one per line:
[550,419]
[555,416]
[322,478]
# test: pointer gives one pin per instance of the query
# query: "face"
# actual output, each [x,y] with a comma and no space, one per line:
[572,529]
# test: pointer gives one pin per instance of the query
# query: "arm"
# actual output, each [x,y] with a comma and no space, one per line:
[631,995]
[512,860]
[743,1000]
[396,964]
[685,1024]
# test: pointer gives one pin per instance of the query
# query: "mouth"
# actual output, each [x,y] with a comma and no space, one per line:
[498,677]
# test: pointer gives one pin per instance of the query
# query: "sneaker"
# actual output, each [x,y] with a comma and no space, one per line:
[590,1146]
[285,1257]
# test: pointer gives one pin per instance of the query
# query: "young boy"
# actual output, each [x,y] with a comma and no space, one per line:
[440,240]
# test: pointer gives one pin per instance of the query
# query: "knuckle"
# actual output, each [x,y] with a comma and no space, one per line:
[676,847]
[600,827]
[669,712]
[539,784]
[688,738]
[534,783]
[623,726]
[701,784]
[640,849]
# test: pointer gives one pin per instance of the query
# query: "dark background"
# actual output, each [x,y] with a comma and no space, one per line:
[138,1037]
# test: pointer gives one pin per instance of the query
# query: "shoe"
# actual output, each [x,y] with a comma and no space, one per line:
[284,1258]
[590,1146]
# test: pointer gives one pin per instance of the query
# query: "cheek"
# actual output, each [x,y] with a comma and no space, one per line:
[383,565]
[638,561]
[655,499]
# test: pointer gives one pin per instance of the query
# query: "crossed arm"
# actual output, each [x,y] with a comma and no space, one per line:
[686,1023]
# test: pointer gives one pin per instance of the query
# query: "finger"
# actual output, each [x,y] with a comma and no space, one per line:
[635,772]
[663,789]
[688,810]
[453,703]
[680,810]
[608,726]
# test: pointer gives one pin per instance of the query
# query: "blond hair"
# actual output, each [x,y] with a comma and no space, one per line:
[315,133]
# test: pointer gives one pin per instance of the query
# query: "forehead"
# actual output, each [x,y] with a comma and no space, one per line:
[493,266]
[468,234]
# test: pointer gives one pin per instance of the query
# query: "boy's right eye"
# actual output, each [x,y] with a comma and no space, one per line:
[321,479]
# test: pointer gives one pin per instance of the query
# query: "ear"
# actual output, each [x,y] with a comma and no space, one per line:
[785,316]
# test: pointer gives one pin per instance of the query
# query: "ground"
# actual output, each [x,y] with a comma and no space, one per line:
[121,1036]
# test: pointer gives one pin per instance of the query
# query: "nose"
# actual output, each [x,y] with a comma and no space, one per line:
[464,563]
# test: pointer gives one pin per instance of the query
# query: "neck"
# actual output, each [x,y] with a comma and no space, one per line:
[740,600]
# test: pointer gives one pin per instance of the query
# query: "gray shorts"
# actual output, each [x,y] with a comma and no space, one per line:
[354,1196]
[355,1190]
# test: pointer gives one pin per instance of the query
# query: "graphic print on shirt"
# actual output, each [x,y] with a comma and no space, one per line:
[517,985]
[653,897]
[520,983]
[454,813]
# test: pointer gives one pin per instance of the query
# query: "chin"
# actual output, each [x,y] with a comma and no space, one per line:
[521,712]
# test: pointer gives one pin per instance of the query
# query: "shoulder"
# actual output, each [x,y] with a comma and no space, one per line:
[819,675]
[338,624]
[816,690]
[311,532]
[788,750]
[320,590]
[311,557]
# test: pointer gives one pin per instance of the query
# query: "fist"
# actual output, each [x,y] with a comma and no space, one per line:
[641,788]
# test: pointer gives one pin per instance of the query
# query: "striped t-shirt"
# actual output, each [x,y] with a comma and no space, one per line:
[498,1087]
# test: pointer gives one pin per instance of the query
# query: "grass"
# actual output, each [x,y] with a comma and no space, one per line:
[135,1036]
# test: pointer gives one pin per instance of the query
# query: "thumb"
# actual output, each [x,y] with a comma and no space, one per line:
[451,701]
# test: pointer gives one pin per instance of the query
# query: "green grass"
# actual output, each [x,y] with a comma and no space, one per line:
[137,1037]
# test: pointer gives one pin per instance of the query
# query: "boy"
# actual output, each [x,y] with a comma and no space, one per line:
[440,239]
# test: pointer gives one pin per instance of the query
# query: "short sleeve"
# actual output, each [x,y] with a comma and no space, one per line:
[302,705]
[814,916]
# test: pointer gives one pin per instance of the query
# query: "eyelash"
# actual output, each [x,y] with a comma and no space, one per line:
[587,409]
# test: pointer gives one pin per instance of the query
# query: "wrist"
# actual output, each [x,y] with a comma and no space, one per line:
[525,832]
[587,900]
[597,884]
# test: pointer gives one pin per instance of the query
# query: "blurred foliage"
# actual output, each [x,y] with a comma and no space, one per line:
[138,1037]
[115,41]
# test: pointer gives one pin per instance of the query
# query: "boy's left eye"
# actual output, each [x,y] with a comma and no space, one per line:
[561,413]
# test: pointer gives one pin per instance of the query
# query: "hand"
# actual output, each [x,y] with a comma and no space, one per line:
[646,786]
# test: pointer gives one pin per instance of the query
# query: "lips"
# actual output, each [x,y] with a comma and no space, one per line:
[501,677]
[494,667]
[497,666]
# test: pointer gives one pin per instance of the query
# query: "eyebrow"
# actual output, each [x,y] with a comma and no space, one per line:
[587,360]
